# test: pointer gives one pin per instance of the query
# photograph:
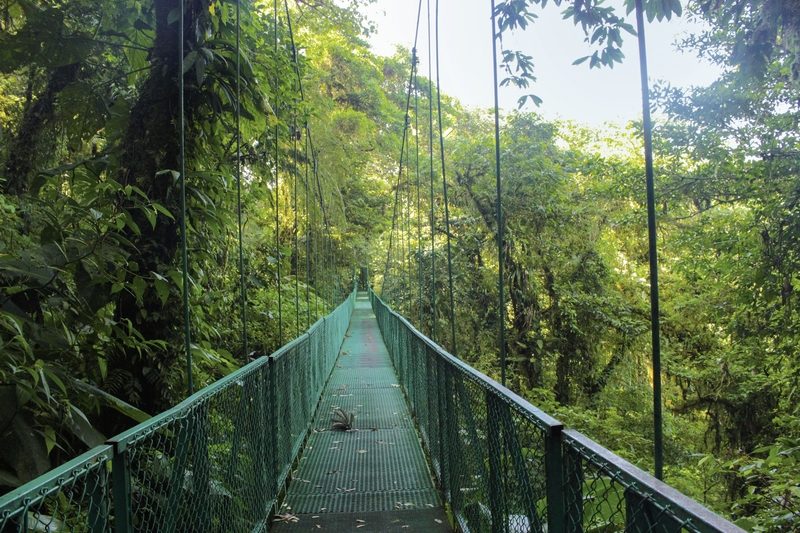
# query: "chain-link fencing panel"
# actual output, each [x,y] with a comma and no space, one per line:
[504,465]
[216,462]
[74,497]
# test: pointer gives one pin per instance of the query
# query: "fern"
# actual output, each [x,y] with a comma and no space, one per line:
[342,420]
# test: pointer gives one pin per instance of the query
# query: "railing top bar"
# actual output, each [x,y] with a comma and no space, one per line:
[663,494]
[546,421]
[178,411]
[38,488]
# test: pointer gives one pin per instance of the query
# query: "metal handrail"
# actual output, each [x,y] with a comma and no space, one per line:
[215,462]
[504,465]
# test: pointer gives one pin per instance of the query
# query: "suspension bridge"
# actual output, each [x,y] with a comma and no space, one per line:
[433,445]
[360,423]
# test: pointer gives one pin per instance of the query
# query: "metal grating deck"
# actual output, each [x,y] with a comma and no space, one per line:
[374,478]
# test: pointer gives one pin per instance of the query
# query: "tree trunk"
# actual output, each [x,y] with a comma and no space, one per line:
[151,145]
[25,146]
[524,304]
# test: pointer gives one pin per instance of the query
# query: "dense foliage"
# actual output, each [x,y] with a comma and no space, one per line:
[91,320]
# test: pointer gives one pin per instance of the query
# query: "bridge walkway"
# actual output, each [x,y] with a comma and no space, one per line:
[374,477]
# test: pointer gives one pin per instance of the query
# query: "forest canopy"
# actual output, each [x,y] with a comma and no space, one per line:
[292,140]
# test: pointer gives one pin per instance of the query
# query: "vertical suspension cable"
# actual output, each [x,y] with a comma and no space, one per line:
[453,348]
[277,182]
[308,234]
[308,146]
[316,247]
[187,334]
[501,310]
[295,133]
[419,204]
[407,256]
[295,245]
[655,327]
[242,286]
[387,270]
[406,124]
[432,218]
[325,218]
[403,234]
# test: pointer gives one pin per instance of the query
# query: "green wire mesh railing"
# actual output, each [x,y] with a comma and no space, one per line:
[215,462]
[504,465]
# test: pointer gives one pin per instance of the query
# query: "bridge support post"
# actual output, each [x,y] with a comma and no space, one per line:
[121,472]
[554,476]
[495,453]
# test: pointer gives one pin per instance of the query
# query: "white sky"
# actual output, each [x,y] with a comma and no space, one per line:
[571,92]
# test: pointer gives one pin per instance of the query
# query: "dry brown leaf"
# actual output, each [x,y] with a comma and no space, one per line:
[288,518]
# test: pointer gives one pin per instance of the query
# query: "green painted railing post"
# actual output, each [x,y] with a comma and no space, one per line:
[554,481]
[495,449]
[121,471]
[98,503]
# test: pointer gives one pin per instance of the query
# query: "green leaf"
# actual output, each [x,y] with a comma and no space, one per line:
[162,290]
[49,438]
[112,401]
[79,425]
[138,286]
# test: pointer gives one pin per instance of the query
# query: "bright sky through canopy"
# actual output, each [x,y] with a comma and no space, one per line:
[571,92]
